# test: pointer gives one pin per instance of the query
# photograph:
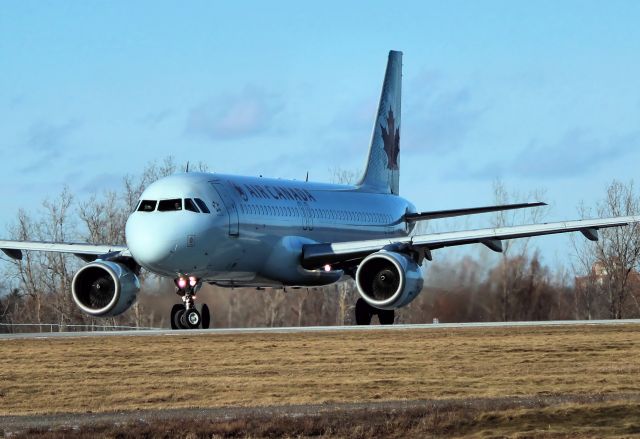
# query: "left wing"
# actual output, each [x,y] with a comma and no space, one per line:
[86,252]
[316,255]
[436,214]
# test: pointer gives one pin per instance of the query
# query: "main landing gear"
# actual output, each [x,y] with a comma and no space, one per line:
[186,315]
[365,312]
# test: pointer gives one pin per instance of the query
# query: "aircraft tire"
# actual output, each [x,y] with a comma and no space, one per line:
[175,318]
[191,318]
[364,312]
[206,316]
[386,316]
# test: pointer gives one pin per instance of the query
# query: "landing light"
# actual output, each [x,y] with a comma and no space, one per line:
[193,281]
[327,267]
[182,283]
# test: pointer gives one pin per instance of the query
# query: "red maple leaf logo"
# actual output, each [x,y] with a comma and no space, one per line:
[391,139]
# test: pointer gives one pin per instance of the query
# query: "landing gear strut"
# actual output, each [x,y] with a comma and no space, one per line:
[365,312]
[186,316]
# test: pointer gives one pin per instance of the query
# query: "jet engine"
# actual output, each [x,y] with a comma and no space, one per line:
[389,280]
[104,288]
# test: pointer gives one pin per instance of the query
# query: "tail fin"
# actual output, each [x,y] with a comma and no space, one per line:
[382,173]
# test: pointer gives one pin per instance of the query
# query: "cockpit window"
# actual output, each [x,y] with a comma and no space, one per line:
[147,206]
[189,205]
[169,205]
[202,205]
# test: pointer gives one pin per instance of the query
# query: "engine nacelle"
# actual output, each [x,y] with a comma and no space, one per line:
[104,288]
[389,280]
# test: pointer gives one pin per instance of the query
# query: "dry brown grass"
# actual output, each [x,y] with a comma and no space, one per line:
[449,420]
[183,370]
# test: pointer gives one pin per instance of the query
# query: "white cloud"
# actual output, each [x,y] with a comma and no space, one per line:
[247,113]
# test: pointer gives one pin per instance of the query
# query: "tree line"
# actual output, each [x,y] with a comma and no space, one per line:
[601,282]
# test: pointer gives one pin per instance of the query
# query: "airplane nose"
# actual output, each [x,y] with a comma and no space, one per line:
[150,246]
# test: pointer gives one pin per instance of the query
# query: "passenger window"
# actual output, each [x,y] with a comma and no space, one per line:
[170,205]
[190,205]
[202,205]
[147,206]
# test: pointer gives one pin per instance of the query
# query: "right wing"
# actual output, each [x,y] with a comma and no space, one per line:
[86,252]
[350,253]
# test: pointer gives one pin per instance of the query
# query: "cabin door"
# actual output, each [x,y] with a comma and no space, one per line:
[230,206]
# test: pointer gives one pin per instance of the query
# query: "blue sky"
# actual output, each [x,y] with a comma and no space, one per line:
[540,94]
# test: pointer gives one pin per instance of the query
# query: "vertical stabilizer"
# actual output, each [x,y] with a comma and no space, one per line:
[382,173]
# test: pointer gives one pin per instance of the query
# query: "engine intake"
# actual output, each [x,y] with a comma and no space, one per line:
[104,288]
[389,280]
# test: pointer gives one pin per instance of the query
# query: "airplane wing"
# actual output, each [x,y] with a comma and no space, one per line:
[86,252]
[346,253]
[420,216]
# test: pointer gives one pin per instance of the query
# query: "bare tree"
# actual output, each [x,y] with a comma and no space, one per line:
[298,307]
[57,226]
[511,273]
[339,175]
[586,287]
[615,257]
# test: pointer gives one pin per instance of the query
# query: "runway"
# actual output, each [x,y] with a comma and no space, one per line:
[311,329]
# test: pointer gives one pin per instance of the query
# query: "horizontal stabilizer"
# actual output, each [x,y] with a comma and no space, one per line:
[421,216]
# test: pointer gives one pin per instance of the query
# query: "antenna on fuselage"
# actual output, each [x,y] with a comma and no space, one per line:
[307,179]
[187,171]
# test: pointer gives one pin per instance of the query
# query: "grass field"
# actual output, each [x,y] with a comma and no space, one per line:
[468,419]
[116,373]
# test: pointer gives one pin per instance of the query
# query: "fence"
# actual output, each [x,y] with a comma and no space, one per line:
[59,327]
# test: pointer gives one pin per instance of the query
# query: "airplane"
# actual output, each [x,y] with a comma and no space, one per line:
[236,231]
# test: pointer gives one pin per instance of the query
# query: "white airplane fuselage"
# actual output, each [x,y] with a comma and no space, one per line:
[256,227]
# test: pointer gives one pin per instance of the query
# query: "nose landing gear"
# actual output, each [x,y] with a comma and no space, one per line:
[186,315]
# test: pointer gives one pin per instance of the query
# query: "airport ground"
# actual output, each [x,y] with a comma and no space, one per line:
[577,381]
